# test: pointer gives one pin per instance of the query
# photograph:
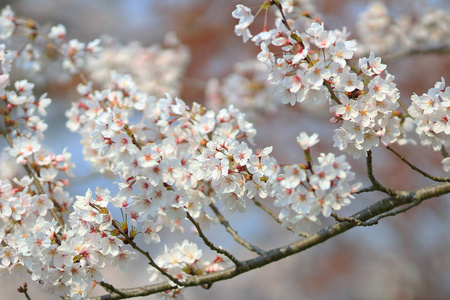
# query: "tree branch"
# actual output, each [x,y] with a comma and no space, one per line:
[377,209]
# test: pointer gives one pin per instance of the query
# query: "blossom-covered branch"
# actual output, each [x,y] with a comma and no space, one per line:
[377,209]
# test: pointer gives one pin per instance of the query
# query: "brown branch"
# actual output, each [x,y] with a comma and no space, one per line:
[234,233]
[434,178]
[379,208]
[210,244]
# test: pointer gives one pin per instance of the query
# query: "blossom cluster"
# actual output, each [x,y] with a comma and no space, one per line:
[313,67]
[430,116]
[169,156]
[177,159]
[68,258]
[305,191]
[21,113]
[156,69]
[170,160]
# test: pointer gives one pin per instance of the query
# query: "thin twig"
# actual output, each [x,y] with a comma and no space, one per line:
[234,233]
[210,244]
[375,184]
[270,212]
[434,178]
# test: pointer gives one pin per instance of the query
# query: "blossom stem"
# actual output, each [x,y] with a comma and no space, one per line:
[126,127]
[131,135]
[24,289]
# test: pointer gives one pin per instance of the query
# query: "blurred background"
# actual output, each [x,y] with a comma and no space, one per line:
[405,257]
